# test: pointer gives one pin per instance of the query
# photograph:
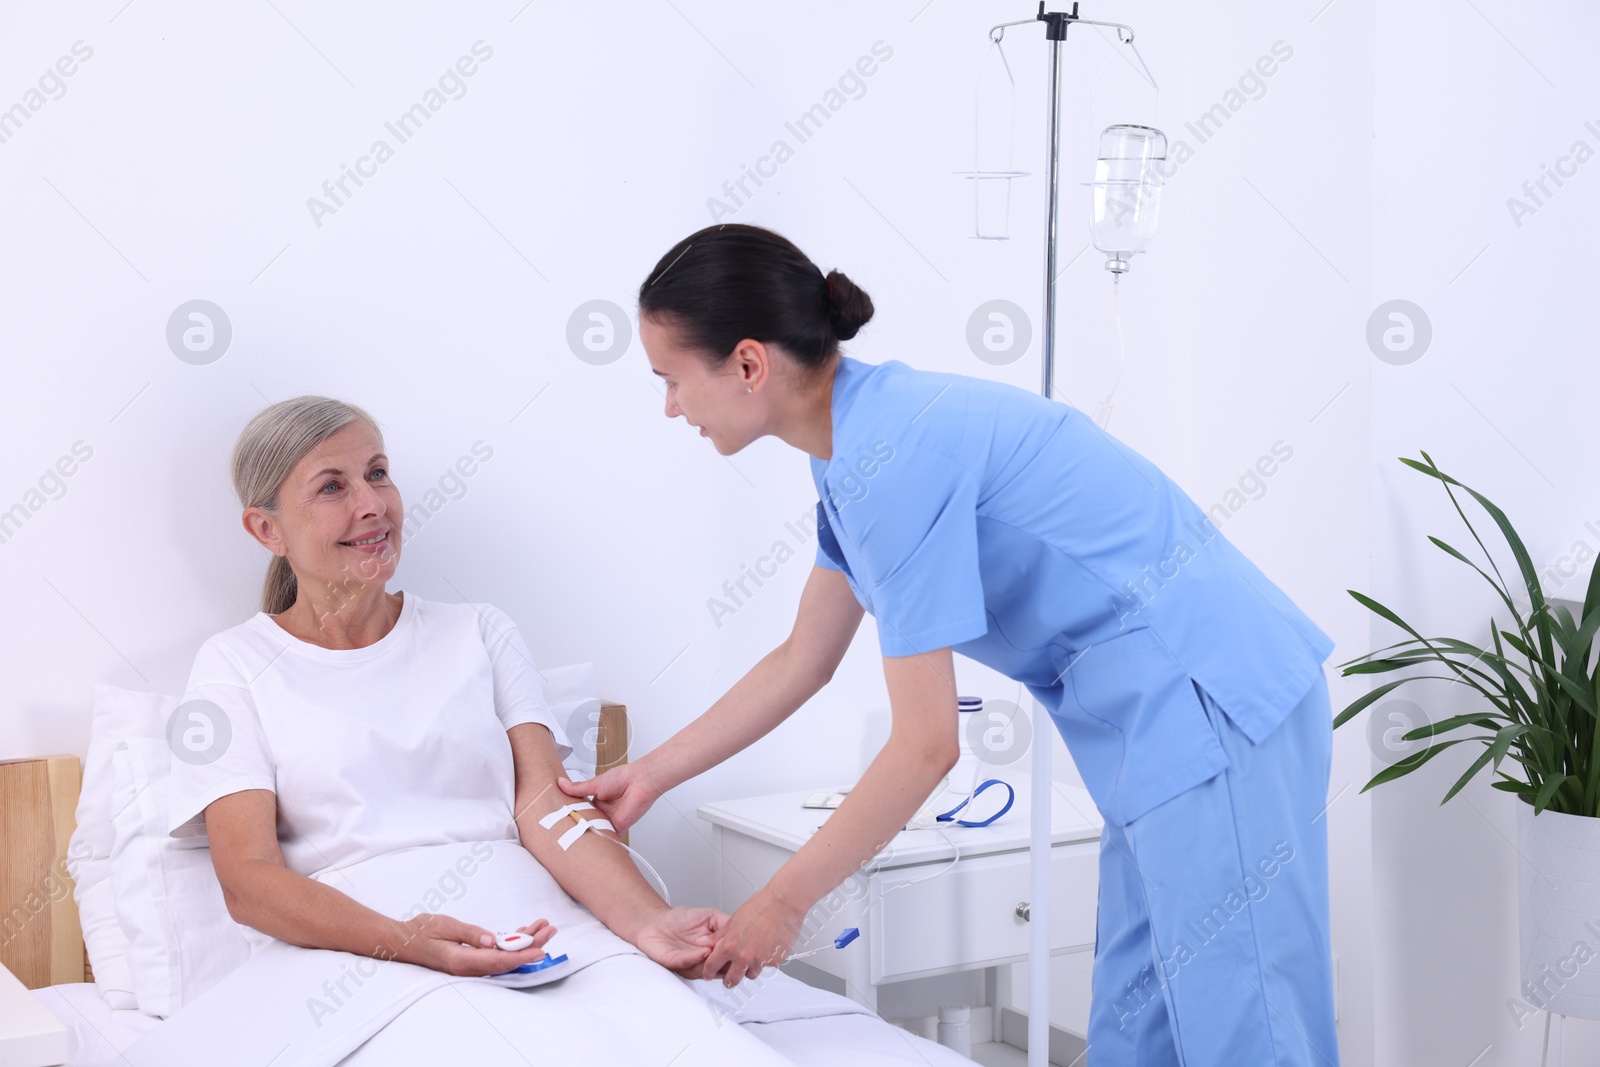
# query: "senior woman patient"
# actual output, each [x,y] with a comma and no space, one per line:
[345,724]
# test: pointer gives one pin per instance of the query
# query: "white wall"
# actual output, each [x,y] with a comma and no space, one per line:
[1473,103]
[1373,164]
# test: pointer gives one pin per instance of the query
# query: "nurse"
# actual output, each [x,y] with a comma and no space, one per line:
[975,517]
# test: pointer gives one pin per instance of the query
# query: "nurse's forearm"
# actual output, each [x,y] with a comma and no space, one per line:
[922,748]
[767,695]
[897,783]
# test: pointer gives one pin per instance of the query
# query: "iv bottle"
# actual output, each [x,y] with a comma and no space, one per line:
[1127,192]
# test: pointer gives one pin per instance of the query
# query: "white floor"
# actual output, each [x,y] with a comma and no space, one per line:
[995,1053]
[999,1054]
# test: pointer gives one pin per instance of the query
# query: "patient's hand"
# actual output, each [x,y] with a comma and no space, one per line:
[680,938]
[454,947]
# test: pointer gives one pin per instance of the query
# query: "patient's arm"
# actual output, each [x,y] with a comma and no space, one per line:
[600,875]
[262,893]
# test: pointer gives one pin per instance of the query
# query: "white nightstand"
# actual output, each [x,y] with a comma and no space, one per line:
[29,1035]
[963,919]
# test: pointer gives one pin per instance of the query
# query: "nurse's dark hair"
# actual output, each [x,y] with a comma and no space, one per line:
[733,281]
[270,445]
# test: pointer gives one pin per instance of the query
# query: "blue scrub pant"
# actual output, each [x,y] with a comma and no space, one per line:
[1212,944]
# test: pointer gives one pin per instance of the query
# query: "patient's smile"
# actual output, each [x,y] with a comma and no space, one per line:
[369,544]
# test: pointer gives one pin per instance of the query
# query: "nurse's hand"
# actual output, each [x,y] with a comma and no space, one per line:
[623,794]
[759,935]
[462,949]
[681,938]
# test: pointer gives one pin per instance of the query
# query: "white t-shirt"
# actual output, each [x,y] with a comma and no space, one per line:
[369,750]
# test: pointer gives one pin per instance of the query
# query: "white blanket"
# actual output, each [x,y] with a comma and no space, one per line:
[97,1035]
[295,1007]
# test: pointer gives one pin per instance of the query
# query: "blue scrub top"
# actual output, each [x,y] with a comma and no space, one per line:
[1011,528]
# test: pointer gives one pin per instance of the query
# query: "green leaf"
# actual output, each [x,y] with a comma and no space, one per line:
[1495,752]
[1519,551]
[1593,784]
[1548,790]
[1410,763]
[1580,695]
[1591,599]
[1393,663]
[1429,729]
[1366,699]
[1584,644]
[1520,645]
[1383,612]
[1496,586]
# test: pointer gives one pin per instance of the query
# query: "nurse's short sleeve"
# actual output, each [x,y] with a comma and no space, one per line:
[828,554]
[915,524]
[518,689]
[218,745]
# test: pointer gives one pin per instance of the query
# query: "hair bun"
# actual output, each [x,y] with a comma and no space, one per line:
[732,281]
[849,307]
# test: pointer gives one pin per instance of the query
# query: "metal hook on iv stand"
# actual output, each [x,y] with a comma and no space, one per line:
[1056,25]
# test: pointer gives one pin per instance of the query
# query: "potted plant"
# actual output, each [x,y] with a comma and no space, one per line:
[1541,693]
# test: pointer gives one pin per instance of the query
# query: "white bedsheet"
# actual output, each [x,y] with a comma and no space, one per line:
[97,1034]
[296,1007]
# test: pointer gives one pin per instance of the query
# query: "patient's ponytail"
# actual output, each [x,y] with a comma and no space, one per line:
[280,591]
[267,451]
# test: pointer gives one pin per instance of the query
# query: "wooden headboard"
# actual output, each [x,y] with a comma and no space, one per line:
[41,941]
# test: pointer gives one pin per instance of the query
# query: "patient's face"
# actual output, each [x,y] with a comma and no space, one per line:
[340,492]
[711,399]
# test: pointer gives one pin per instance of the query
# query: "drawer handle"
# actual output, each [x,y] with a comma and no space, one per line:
[1024,912]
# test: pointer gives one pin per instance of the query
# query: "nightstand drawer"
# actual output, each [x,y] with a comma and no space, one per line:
[967,917]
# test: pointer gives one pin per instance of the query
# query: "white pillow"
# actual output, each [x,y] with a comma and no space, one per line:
[118,714]
[181,938]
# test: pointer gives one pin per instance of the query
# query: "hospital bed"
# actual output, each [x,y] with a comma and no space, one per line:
[43,945]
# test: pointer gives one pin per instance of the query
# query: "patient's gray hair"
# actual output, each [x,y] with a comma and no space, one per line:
[268,449]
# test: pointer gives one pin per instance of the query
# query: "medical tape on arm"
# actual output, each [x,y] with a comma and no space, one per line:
[574,832]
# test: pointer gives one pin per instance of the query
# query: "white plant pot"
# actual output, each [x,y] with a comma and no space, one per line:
[1558,883]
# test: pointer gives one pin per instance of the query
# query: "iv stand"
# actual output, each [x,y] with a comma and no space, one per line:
[1056,24]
